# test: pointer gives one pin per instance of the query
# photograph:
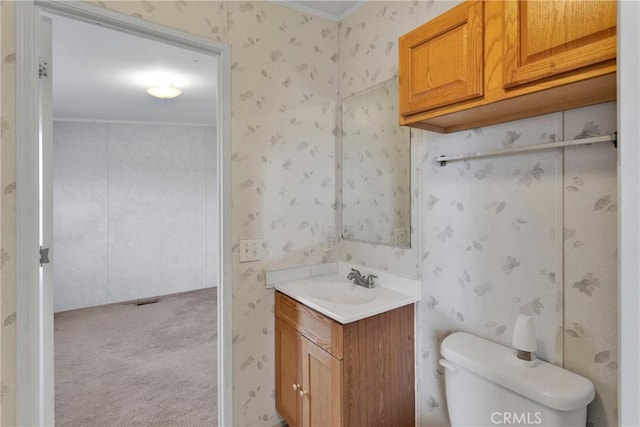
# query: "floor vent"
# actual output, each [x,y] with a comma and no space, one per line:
[147,301]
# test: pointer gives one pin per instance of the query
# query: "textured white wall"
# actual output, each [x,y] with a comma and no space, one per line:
[79,255]
[130,211]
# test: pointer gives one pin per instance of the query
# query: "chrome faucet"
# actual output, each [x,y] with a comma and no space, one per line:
[360,280]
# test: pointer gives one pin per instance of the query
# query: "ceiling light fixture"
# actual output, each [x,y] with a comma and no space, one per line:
[164,91]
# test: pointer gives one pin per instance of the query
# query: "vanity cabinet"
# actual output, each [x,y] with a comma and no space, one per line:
[308,380]
[356,374]
[486,62]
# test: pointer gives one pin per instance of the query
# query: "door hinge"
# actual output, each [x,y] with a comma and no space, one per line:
[43,69]
[44,256]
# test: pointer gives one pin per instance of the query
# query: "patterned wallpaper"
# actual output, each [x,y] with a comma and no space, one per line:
[591,258]
[7,215]
[284,97]
[285,90]
[368,56]
[532,233]
[284,124]
[284,94]
[375,154]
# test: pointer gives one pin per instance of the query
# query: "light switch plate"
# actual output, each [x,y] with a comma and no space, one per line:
[250,250]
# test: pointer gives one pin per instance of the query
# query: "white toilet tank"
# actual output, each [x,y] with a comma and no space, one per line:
[487,385]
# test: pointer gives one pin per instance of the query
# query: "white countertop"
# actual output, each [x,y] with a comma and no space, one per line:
[326,295]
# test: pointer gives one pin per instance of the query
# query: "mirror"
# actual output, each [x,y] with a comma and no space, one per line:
[376,203]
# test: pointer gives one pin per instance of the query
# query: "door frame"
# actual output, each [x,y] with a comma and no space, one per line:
[34,397]
[628,212]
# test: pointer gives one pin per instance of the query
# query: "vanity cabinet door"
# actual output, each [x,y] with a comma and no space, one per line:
[322,387]
[441,62]
[288,373]
[547,38]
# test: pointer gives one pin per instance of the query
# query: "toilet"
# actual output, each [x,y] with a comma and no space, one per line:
[487,385]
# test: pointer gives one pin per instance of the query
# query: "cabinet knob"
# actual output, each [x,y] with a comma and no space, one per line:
[296,387]
[302,393]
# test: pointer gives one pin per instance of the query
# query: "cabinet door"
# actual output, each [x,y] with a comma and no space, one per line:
[288,373]
[547,38]
[322,384]
[441,62]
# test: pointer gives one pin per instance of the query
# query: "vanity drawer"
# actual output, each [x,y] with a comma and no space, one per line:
[326,333]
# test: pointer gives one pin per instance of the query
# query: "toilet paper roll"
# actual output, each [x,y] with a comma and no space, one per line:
[524,335]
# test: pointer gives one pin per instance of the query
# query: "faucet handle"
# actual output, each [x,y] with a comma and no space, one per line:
[370,280]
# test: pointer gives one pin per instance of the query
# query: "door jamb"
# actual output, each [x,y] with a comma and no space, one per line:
[30,395]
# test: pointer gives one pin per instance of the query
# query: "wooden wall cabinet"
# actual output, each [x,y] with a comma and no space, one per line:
[486,62]
[358,374]
[453,42]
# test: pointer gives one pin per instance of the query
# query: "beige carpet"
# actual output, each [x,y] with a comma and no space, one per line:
[148,365]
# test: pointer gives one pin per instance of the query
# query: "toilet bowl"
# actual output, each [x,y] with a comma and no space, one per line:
[486,385]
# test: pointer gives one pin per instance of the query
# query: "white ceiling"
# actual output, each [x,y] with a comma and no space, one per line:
[99,74]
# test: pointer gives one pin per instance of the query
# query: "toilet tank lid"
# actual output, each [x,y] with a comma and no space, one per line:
[544,383]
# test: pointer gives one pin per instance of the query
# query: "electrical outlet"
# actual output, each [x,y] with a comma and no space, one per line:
[401,236]
[329,239]
[250,250]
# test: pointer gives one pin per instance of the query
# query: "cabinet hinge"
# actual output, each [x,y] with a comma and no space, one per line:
[44,256]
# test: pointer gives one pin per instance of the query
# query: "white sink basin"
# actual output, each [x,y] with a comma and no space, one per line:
[334,296]
[342,293]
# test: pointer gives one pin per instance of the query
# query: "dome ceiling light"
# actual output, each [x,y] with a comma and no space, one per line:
[164,91]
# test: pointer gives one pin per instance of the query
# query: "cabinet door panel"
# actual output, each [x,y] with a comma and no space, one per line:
[322,384]
[441,62]
[547,38]
[288,374]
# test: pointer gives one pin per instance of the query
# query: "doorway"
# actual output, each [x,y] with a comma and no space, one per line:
[134,236]
[34,299]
